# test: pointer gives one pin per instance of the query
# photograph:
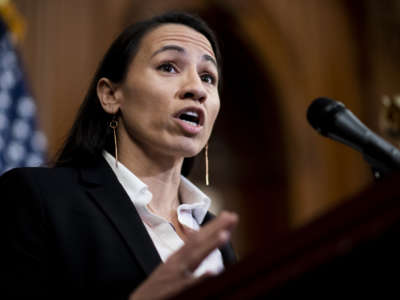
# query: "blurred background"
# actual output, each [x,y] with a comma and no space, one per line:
[266,162]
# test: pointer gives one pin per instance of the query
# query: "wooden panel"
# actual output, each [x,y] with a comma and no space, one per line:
[64,42]
[303,49]
[308,50]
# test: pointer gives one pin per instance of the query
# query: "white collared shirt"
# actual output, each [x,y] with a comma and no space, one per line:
[191,213]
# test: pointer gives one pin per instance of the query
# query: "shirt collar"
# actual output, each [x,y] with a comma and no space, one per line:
[193,199]
[135,188]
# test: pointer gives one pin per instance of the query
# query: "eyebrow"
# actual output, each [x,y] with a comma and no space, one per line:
[182,50]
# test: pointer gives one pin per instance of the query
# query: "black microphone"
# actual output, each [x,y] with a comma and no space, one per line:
[332,119]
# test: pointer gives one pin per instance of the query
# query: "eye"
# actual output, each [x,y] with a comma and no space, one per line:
[208,78]
[167,67]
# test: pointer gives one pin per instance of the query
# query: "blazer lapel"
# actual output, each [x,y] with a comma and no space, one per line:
[105,189]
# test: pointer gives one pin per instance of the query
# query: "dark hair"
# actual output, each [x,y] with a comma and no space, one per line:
[90,133]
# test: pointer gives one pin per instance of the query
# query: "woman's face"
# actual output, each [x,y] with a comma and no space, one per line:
[169,99]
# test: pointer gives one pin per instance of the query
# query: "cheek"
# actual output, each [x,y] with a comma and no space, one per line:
[214,110]
[145,110]
[139,99]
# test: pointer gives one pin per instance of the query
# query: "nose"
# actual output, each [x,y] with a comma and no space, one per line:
[193,88]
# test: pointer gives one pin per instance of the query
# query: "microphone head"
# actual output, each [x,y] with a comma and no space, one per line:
[321,113]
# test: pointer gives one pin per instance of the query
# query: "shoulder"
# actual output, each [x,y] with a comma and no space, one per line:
[55,182]
[49,190]
[36,175]
[27,183]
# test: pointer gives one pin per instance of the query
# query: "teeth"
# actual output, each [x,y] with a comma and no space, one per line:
[192,113]
[190,117]
[191,123]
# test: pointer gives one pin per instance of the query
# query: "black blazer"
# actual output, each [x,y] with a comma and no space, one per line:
[74,233]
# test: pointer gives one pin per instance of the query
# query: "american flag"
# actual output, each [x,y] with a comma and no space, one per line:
[21,142]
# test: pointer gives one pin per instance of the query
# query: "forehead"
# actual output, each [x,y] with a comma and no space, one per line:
[175,34]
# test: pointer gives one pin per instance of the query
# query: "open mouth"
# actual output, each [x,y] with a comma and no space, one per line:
[194,117]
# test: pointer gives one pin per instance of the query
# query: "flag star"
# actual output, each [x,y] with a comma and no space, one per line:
[26,107]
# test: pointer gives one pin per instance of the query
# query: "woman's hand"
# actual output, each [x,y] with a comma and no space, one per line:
[175,274]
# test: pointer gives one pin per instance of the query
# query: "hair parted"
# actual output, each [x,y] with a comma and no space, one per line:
[90,133]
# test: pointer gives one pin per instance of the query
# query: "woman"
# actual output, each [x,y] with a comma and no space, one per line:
[99,224]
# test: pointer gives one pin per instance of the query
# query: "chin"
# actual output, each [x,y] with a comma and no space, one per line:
[191,152]
[190,149]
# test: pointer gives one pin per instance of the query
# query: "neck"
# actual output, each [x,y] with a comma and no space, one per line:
[160,173]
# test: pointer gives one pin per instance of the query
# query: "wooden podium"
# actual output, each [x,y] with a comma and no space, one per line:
[351,251]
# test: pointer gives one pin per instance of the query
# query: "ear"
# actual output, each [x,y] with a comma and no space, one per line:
[108,96]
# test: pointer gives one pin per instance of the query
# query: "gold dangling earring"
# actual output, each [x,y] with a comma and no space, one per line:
[114,125]
[206,160]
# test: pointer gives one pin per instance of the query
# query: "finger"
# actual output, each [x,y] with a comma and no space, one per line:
[200,278]
[201,243]
[223,220]
[226,220]
[191,279]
